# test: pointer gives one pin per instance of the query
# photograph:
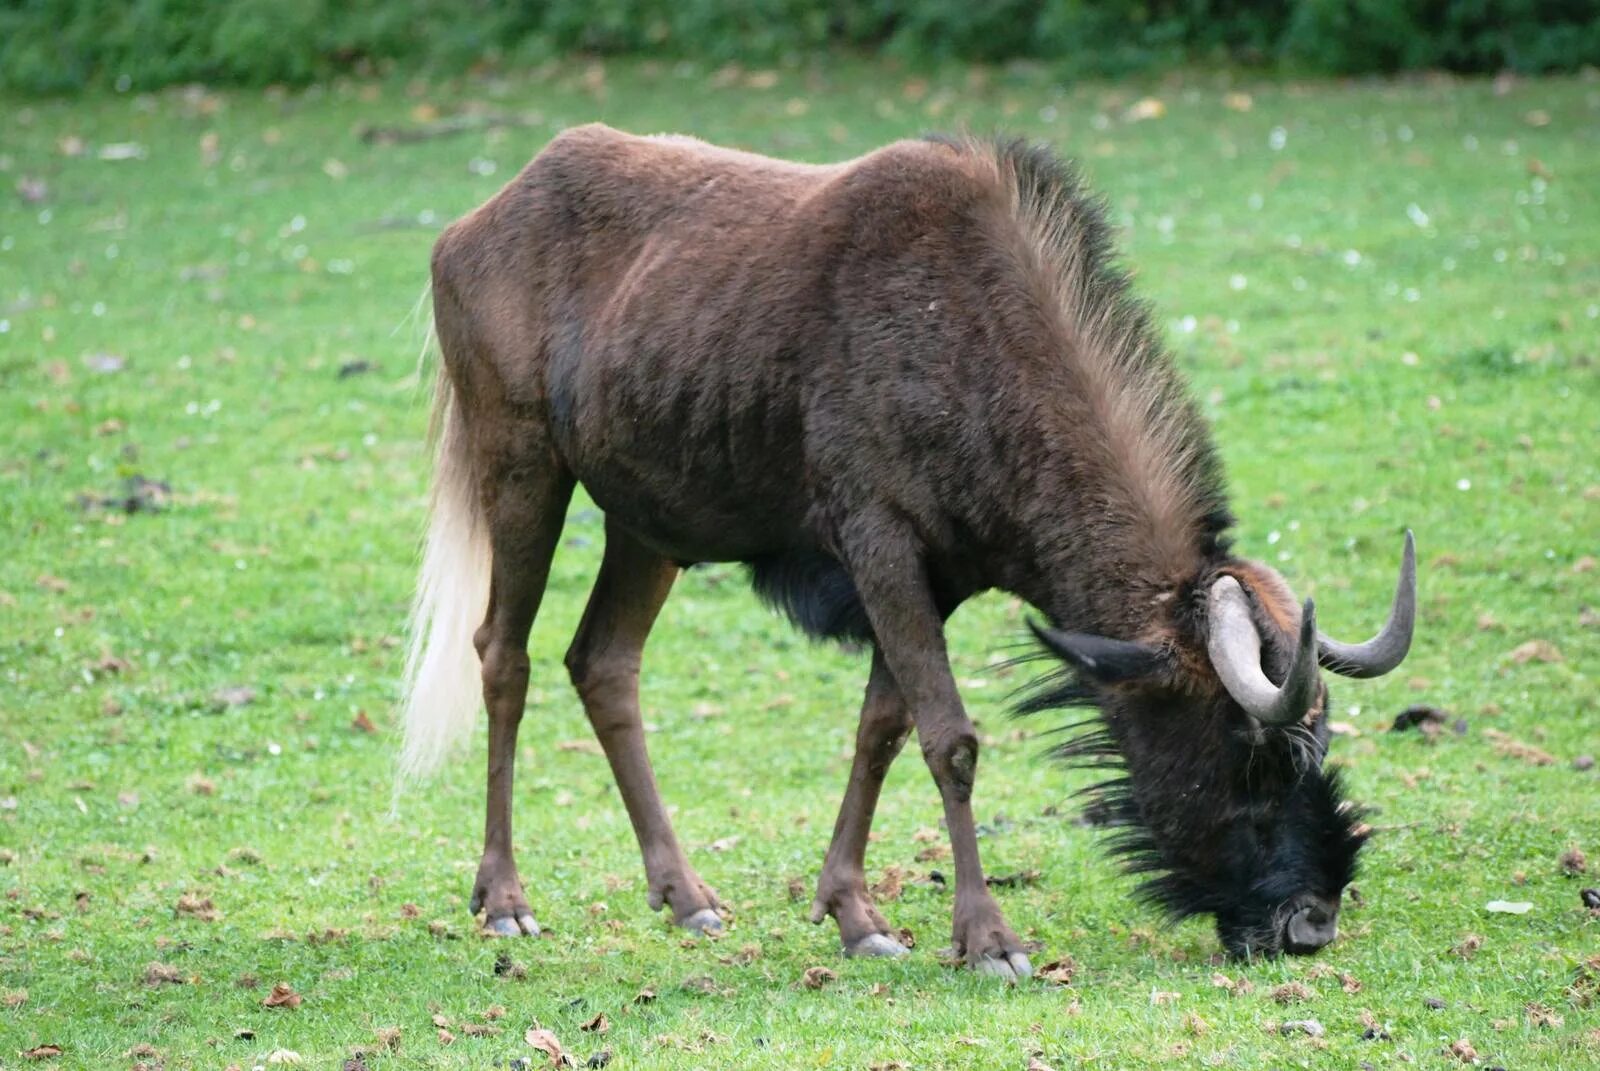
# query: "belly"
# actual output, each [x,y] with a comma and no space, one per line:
[700,455]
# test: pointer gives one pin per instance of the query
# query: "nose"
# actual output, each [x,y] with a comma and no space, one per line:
[1309,928]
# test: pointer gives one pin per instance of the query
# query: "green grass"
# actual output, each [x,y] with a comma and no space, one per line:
[1387,295]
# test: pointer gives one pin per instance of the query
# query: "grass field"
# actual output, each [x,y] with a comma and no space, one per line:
[1387,296]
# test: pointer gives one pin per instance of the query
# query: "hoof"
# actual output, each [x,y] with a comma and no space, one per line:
[506,926]
[704,921]
[1012,966]
[877,944]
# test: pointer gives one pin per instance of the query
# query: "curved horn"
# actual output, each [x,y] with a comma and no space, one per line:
[1235,648]
[1388,648]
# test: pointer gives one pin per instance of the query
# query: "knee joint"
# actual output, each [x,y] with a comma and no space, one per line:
[953,758]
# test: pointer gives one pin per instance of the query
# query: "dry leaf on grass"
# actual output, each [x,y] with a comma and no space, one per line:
[817,977]
[42,1052]
[598,1025]
[1505,744]
[1462,1050]
[1541,1015]
[282,996]
[197,907]
[162,974]
[1292,993]
[546,1042]
[890,887]
[1536,651]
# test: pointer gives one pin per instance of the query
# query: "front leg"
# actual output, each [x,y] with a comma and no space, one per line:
[894,588]
[842,888]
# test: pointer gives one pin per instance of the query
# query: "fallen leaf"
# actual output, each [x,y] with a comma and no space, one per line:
[587,747]
[1308,1027]
[1468,946]
[1292,993]
[197,907]
[388,1037]
[1505,745]
[282,996]
[598,1025]
[445,1037]
[162,974]
[890,887]
[817,977]
[539,1038]
[1462,1050]
[42,1052]
[1349,982]
[363,724]
[1036,1064]
[13,998]
[1237,101]
[283,1056]
[1540,1015]
[479,1030]
[1536,651]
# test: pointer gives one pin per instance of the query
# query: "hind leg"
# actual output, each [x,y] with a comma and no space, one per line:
[604,664]
[842,888]
[525,520]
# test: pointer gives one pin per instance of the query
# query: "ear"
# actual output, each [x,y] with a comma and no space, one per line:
[1107,661]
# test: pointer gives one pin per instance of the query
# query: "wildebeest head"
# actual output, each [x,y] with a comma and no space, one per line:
[1219,729]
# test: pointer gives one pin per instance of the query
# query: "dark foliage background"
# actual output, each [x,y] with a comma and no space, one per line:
[55,45]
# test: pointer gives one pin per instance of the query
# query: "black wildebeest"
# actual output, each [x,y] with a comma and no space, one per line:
[886,385]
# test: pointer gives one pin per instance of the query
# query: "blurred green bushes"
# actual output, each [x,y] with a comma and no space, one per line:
[55,45]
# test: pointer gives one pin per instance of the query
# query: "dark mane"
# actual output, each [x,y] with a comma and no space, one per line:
[1091,743]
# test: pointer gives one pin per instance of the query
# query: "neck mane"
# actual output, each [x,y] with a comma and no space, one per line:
[1130,505]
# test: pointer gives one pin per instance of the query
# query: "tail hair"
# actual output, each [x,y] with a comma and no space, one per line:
[442,693]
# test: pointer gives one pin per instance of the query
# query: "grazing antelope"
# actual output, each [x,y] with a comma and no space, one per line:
[886,385]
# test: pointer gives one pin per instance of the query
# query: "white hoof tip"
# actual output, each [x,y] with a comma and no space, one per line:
[529,926]
[704,921]
[1012,967]
[877,944]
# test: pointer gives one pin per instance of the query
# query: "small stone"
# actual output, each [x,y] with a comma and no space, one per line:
[1309,1027]
[1435,1003]
[1583,762]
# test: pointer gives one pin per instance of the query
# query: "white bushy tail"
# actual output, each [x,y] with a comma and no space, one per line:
[442,689]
